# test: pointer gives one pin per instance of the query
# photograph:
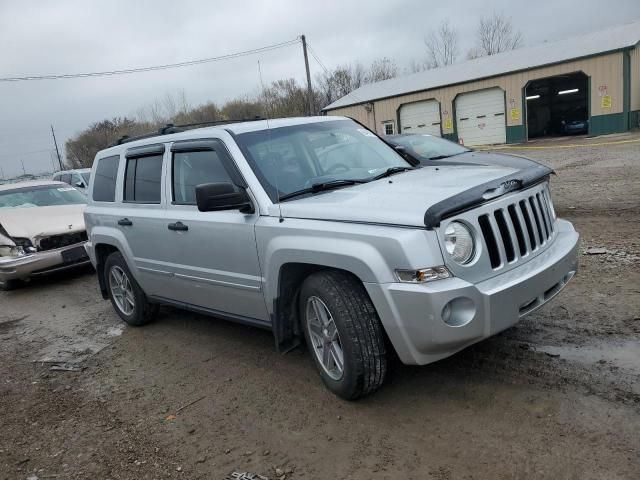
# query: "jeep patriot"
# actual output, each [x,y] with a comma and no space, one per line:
[320,231]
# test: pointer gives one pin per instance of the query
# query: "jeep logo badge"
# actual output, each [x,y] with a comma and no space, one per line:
[504,187]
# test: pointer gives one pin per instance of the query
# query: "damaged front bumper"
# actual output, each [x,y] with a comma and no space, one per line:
[48,261]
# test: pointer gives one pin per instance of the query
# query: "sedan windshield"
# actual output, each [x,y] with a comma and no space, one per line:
[428,147]
[41,196]
[295,158]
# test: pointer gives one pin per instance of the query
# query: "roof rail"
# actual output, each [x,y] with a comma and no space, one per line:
[171,128]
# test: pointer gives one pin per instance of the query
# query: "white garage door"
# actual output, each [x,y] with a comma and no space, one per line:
[480,117]
[420,117]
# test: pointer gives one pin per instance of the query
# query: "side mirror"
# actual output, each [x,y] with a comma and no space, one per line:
[211,197]
[79,185]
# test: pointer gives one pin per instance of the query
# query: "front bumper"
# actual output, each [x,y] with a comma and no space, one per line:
[412,315]
[21,268]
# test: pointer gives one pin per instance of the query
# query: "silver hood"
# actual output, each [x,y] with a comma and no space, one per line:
[401,199]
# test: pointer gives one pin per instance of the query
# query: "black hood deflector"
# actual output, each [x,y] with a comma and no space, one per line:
[532,174]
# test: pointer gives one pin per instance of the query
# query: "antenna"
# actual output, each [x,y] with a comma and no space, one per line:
[269,144]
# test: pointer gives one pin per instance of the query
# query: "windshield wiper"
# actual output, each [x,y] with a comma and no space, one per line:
[440,157]
[322,186]
[392,171]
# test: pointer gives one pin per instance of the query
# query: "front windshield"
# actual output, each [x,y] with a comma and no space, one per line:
[289,159]
[425,147]
[41,196]
[86,176]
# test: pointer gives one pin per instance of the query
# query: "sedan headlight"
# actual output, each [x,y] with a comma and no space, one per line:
[7,251]
[458,242]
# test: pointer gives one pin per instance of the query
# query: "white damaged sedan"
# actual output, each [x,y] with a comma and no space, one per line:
[41,230]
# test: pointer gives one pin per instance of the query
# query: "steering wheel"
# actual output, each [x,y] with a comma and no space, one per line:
[337,167]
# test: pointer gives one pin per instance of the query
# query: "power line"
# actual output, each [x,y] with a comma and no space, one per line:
[153,68]
[326,70]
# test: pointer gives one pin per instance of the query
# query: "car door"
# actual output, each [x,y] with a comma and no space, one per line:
[215,258]
[141,217]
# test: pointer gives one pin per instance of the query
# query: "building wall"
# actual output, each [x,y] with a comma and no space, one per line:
[606,79]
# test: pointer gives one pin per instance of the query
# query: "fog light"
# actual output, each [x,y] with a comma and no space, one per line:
[423,275]
[458,312]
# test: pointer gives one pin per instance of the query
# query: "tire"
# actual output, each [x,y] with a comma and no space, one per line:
[360,336]
[132,304]
[9,285]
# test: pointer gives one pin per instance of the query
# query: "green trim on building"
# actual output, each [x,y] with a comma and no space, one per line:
[634,119]
[516,134]
[612,123]
[626,86]
[589,111]
[451,136]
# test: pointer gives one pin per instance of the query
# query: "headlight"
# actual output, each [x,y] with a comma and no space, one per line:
[423,275]
[7,251]
[458,241]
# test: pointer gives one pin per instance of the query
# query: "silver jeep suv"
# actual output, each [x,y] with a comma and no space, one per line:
[316,228]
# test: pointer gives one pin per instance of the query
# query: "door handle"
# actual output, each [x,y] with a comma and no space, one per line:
[125,222]
[178,227]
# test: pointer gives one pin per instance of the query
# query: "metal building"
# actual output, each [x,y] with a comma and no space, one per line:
[587,84]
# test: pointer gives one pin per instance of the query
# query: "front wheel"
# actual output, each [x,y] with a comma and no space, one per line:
[126,296]
[343,333]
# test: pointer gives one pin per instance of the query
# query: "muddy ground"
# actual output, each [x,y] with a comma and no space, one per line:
[557,396]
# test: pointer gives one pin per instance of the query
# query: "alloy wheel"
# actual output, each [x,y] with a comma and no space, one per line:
[121,290]
[325,338]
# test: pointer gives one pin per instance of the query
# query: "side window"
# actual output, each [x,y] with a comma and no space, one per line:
[104,184]
[143,179]
[56,178]
[76,179]
[66,178]
[194,168]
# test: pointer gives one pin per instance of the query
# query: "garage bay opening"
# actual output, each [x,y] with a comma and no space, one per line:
[558,106]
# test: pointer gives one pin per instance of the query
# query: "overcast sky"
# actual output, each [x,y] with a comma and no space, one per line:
[57,37]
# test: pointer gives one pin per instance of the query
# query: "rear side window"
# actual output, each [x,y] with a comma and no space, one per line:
[142,179]
[195,168]
[66,178]
[104,184]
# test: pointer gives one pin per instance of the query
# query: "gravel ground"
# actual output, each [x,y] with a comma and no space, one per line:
[557,396]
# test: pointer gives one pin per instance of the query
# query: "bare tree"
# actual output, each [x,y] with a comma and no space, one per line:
[381,69]
[442,46]
[340,82]
[495,34]
[416,66]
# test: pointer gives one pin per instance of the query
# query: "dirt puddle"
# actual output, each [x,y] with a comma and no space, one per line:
[624,355]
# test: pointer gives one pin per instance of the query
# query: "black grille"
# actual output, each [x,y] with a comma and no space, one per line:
[519,228]
[64,240]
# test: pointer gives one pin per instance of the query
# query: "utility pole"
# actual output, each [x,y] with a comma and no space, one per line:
[56,144]
[306,66]
[24,172]
[1,173]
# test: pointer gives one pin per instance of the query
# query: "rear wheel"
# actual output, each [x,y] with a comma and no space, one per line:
[343,333]
[127,298]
